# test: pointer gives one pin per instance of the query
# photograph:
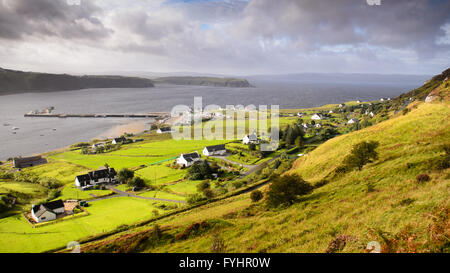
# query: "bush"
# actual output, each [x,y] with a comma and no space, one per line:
[194,198]
[423,178]
[208,193]
[53,194]
[361,154]
[125,175]
[137,182]
[285,189]
[256,196]
[203,186]
[50,183]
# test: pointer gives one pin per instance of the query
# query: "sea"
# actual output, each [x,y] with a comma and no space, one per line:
[21,136]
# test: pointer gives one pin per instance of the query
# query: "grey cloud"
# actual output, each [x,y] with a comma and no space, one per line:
[395,23]
[54,18]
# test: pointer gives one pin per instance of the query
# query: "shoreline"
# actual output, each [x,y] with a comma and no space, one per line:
[132,127]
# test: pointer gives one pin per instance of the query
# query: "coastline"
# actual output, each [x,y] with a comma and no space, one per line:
[131,127]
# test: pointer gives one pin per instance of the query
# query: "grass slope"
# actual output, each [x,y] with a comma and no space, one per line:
[382,202]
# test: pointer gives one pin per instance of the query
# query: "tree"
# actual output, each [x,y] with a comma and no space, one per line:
[299,142]
[361,154]
[256,195]
[285,189]
[136,182]
[125,175]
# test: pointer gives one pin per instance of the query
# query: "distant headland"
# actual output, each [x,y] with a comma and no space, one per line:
[13,82]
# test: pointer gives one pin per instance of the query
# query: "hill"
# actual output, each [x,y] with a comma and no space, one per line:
[384,202]
[12,81]
[204,81]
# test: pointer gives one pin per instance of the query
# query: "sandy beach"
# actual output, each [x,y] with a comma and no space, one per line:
[133,127]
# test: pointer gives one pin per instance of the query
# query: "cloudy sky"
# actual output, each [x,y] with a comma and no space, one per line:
[235,37]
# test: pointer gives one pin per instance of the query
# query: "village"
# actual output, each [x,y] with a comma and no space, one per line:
[148,175]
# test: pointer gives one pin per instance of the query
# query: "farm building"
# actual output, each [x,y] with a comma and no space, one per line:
[118,140]
[317,117]
[215,150]
[101,176]
[164,130]
[48,211]
[187,160]
[25,162]
[353,121]
[97,145]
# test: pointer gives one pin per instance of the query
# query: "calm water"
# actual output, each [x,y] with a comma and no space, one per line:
[36,135]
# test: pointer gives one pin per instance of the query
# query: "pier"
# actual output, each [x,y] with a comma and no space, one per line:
[155,115]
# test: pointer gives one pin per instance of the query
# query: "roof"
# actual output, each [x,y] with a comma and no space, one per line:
[28,160]
[216,148]
[120,139]
[252,137]
[50,207]
[191,156]
[165,129]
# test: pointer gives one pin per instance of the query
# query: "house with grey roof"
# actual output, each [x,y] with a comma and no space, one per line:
[214,150]
[47,211]
[98,177]
[187,160]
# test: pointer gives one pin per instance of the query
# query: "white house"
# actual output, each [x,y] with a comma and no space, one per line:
[215,150]
[318,125]
[331,112]
[250,139]
[341,105]
[353,120]
[101,176]
[371,114]
[317,117]
[97,145]
[187,160]
[306,126]
[118,140]
[48,211]
[164,130]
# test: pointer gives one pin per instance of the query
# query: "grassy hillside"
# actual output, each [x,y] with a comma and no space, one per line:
[383,202]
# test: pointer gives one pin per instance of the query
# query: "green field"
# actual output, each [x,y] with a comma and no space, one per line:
[16,235]
[185,187]
[70,191]
[162,195]
[161,174]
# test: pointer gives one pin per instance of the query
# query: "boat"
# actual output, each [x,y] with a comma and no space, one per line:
[6,124]
[15,128]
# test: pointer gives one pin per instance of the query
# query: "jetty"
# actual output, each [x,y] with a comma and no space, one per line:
[156,115]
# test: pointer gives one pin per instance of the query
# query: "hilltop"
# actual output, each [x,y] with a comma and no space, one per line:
[12,81]
[383,202]
[204,81]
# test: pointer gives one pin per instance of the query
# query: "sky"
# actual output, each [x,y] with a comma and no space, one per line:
[233,37]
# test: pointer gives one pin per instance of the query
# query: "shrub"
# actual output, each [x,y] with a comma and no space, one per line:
[203,186]
[423,178]
[361,154]
[125,175]
[256,195]
[137,182]
[208,193]
[194,198]
[285,189]
[53,194]
[50,183]
[218,244]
